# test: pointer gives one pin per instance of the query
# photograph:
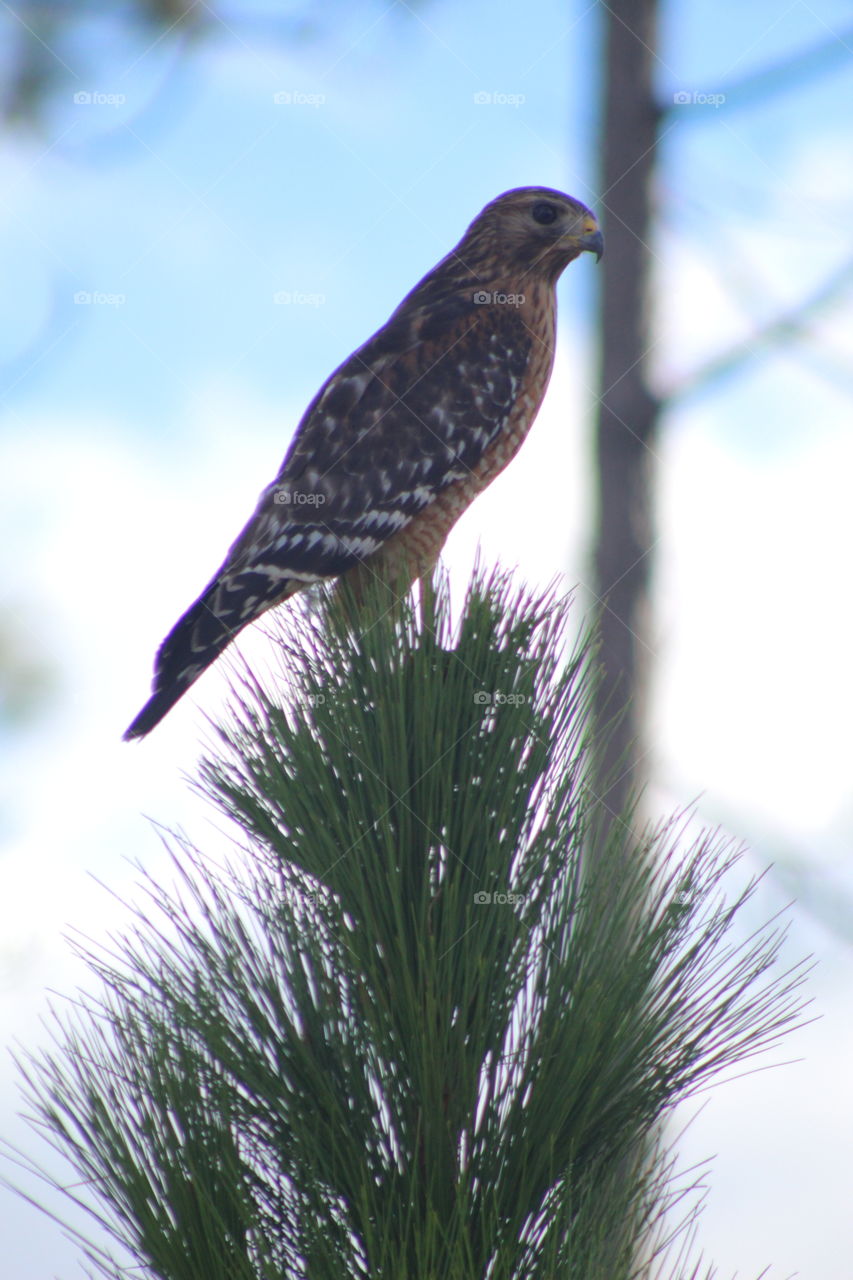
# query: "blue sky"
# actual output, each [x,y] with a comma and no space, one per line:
[138,428]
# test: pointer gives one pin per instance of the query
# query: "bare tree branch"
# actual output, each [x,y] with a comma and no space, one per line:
[784,328]
[783,76]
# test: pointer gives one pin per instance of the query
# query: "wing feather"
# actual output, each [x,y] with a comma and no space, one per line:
[400,420]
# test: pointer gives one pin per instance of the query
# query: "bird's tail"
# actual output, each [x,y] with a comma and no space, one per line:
[154,710]
[195,641]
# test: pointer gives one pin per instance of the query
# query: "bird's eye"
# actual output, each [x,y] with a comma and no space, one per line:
[544,213]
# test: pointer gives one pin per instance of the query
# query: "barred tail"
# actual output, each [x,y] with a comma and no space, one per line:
[154,710]
[227,605]
[195,641]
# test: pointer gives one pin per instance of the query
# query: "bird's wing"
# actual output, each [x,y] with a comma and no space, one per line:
[409,413]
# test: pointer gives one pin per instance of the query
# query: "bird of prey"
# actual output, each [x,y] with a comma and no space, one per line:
[402,437]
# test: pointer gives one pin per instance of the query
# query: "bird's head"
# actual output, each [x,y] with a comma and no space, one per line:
[536,230]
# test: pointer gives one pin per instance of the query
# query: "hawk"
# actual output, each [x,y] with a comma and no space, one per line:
[404,434]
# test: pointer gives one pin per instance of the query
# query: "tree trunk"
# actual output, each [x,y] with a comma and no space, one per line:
[628,411]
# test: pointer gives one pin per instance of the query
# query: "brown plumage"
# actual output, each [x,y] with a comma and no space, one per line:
[404,434]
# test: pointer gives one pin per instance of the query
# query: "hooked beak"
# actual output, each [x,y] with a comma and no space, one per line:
[592,242]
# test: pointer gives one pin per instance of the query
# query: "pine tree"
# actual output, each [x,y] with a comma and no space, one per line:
[429,1019]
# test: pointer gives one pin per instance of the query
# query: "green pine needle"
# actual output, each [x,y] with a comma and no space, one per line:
[429,1022]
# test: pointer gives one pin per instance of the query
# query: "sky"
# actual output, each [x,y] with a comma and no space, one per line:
[197,240]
